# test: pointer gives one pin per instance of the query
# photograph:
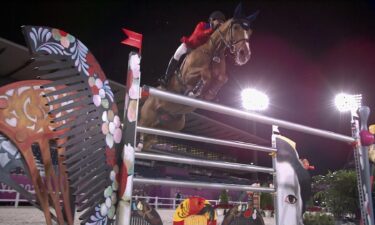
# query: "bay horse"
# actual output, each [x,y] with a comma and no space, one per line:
[202,74]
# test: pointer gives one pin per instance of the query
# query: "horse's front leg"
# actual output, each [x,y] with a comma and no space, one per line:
[148,118]
[202,84]
[215,86]
[197,90]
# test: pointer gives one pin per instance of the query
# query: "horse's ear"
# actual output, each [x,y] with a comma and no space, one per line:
[238,11]
[253,16]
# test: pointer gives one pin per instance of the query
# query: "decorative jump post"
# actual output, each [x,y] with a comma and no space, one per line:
[129,126]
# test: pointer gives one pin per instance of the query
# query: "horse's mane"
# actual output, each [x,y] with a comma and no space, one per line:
[223,28]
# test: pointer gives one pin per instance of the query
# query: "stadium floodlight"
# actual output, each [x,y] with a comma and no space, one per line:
[346,102]
[253,99]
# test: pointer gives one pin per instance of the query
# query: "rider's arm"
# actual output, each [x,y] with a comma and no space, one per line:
[201,32]
[204,28]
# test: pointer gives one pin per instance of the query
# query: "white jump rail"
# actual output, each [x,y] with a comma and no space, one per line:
[196,184]
[190,137]
[205,163]
[159,202]
[180,99]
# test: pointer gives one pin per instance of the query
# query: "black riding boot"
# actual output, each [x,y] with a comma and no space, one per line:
[172,66]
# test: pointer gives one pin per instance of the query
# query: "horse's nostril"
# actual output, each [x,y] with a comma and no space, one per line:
[242,52]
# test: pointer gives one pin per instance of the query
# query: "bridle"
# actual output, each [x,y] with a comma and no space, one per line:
[231,44]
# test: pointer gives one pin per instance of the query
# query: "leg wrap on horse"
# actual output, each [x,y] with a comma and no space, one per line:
[197,90]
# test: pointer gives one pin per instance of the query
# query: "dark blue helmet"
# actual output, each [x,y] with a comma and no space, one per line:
[217,15]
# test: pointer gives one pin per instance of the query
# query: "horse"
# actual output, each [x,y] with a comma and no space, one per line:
[202,74]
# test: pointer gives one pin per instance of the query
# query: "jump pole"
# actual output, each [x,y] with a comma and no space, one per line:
[190,137]
[205,163]
[180,99]
[196,184]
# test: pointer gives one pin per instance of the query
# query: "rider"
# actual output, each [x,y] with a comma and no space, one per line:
[200,35]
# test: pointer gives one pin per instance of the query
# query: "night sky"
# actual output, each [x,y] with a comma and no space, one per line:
[303,53]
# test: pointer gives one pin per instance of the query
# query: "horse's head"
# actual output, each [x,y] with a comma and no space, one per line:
[237,31]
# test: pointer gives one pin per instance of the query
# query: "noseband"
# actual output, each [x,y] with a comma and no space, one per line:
[231,44]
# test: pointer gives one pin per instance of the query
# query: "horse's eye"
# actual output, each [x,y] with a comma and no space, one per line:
[291,199]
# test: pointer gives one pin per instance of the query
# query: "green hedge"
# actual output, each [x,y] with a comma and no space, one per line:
[318,219]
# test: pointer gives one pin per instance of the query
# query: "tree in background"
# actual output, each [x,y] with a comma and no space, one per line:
[338,192]
[224,198]
[266,201]
[318,219]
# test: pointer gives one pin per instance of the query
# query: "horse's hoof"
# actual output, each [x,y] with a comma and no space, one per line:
[139,147]
[191,94]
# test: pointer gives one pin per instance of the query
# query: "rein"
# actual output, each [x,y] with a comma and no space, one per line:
[230,45]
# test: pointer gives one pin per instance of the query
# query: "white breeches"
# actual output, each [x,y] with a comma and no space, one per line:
[181,50]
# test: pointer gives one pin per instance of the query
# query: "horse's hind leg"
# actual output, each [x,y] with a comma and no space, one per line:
[175,124]
[149,118]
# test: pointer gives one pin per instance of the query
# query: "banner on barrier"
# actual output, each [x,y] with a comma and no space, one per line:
[8,194]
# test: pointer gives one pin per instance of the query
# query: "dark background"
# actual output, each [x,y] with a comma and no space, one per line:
[303,53]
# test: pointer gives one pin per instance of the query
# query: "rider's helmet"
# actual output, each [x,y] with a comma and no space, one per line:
[217,15]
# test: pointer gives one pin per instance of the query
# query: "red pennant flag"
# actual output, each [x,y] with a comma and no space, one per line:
[134,39]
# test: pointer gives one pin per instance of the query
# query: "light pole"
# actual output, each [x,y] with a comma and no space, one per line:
[359,116]
[254,100]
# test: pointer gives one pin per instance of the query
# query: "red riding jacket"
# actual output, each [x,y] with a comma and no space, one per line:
[201,34]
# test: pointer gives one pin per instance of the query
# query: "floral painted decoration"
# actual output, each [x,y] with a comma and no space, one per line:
[101,91]
[58,42]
